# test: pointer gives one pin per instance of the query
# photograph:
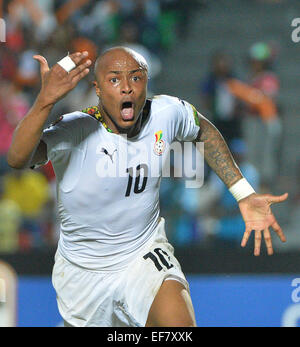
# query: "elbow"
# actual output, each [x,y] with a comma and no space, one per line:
[14,163]
[17,167]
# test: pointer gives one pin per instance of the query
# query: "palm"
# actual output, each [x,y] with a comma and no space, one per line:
[57,82]
[257,215]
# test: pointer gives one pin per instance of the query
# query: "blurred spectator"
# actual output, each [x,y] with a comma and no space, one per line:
[27,74]
[10,223]
[222,106]
[175,19]
[145,14]
[263,133]
[70,10]
[19,185]
[27,13]
[98,21]
[30,191]
[13,107]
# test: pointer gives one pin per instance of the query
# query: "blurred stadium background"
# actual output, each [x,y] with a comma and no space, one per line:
[235,61]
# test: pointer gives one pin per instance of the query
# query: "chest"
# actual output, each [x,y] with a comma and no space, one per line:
[113,165]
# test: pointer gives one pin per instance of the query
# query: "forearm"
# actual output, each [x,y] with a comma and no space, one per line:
[27,134]
[217,153]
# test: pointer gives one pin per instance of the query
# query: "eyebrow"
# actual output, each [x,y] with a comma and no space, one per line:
[131,72]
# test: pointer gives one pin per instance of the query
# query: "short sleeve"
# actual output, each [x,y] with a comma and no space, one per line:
[188,125]
[61,136]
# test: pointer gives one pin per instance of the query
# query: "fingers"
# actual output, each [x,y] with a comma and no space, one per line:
[268,241]
[257,243]
[80,76]
[76,57]
[246,237]
[44,67]
[278,231]
[79,69]
[276,199]
[267,238]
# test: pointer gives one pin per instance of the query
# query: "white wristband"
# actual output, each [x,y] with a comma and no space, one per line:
[241,189]
[67,63]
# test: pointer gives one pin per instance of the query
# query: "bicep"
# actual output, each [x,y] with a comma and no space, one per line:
[206,129]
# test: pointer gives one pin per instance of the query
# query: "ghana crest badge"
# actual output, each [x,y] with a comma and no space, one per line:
[159,145]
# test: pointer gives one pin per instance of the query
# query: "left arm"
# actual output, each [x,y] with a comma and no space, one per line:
[217,154]
[255,208]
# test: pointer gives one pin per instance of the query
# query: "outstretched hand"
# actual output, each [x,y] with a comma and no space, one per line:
[257,215]
[57,82]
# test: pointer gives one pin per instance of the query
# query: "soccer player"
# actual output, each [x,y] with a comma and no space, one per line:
[114,265]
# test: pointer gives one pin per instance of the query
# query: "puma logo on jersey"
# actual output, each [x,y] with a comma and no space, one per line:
[105,151]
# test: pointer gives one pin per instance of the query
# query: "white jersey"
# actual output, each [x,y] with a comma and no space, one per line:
[108,186]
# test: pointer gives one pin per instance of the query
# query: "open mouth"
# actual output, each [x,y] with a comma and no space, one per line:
[127,110]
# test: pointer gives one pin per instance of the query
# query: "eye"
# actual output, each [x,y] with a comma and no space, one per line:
[114,80]
[136,78]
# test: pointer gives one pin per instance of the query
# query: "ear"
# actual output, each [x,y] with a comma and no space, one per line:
[97,88]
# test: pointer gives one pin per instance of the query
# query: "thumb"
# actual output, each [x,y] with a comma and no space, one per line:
[44,67]
[275,199]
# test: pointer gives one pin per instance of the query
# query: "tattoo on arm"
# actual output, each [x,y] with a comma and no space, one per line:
[217,153]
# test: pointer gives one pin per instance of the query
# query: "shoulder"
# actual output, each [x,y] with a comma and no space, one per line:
[162,101]
[71,120]
[75,117]
[173,106]
[167,106]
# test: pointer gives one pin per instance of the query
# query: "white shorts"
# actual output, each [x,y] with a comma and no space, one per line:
[116,299]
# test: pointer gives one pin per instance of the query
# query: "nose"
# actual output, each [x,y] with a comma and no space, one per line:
[126,87]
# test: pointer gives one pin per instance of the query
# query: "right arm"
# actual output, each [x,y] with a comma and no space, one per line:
[27,148]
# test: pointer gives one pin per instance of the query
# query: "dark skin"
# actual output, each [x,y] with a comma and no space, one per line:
[122,77]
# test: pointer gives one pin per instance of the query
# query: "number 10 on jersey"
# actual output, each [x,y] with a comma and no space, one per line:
[138,188]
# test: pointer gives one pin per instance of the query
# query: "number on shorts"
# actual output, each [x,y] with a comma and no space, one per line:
[161,260]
